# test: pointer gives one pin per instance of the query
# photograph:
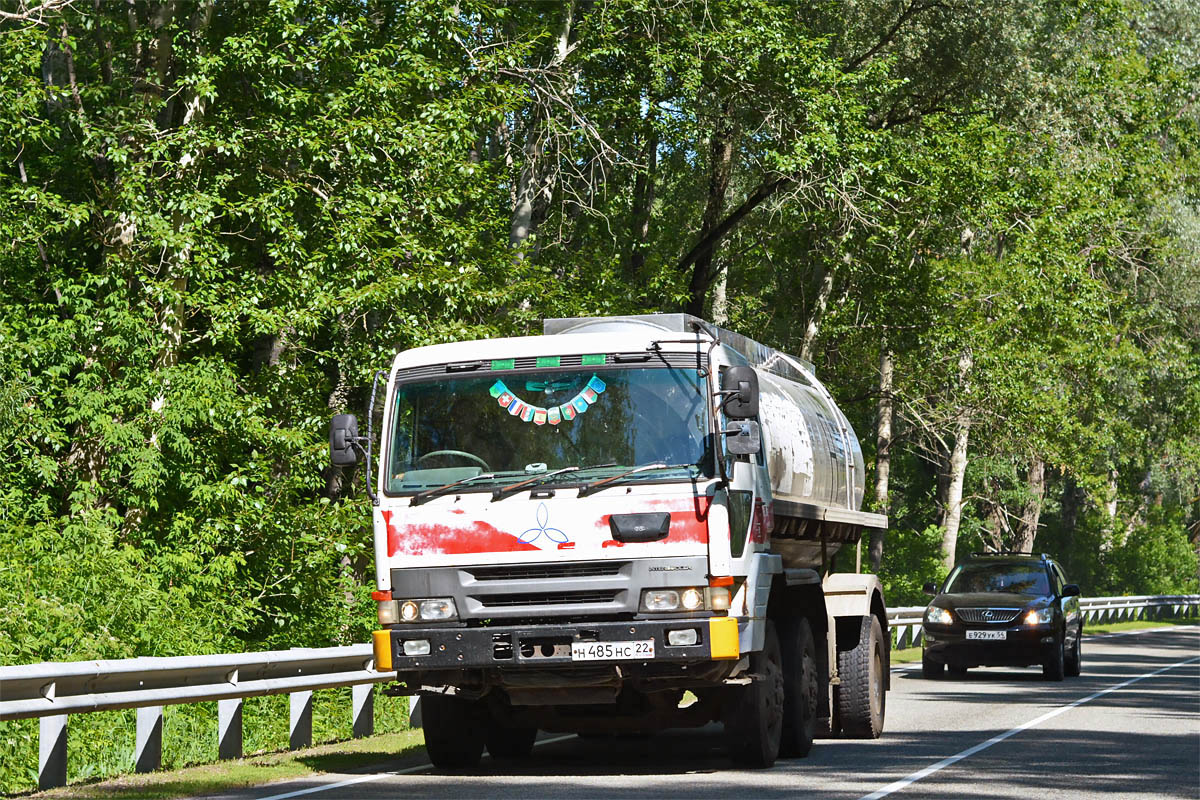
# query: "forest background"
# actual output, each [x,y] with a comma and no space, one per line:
[981,220]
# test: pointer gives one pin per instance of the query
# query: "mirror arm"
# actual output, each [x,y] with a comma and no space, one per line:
[370,438]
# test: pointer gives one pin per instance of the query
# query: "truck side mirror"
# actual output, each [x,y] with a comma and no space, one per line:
[739,386]
[1071,590]
[343,437]
[743,438]
[931,588]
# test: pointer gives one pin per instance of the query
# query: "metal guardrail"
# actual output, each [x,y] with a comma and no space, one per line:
[53,691]
[906,622]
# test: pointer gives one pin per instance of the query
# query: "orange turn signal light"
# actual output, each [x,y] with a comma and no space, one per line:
[720,580]
[380,597]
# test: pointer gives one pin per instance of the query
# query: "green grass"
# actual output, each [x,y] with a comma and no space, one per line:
[252,770]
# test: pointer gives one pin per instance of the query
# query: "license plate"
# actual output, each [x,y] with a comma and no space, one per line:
[611,651]
[990,635]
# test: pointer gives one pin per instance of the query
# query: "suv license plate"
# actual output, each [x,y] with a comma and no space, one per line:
[991,635]
[611,651]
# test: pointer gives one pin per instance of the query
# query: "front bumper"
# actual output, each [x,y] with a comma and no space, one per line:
[1023,645]
[539,646]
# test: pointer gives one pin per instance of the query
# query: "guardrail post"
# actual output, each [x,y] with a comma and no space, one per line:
[52,751]
[414,711]
[301,720]
[363,696]
[147,754]
[229,728]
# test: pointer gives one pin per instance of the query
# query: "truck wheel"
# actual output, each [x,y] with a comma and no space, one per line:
[754,716]
[504,741]
[800,688]
[930,669]
[1054,666]
[861,696]
[454,730]
[1074,659]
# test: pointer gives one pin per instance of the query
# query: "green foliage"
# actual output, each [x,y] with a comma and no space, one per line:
[218,221]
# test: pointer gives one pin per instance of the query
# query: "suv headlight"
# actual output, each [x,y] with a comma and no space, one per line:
[1039,616]
[691,598]
[936,615]
[436,609]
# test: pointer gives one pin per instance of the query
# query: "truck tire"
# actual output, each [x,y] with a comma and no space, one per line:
[508,742]
[861,697]
[754,714]
[454,730]
[801,686]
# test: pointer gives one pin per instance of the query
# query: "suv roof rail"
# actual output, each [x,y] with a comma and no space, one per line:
[1001,553]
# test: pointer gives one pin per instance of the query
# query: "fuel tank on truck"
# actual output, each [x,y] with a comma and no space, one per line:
[811,465]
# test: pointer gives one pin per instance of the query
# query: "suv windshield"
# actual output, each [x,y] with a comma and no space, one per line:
[499,428]
[1012,578]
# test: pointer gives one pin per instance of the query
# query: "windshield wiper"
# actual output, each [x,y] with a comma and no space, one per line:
[538,480]
[429,494]
[600,484]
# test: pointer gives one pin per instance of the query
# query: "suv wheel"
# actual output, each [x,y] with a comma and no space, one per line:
[1074,659]
[930,669]
[1053,667]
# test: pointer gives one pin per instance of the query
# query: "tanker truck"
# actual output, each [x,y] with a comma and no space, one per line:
[625,525]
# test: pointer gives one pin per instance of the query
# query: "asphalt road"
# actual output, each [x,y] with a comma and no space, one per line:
[1129,727]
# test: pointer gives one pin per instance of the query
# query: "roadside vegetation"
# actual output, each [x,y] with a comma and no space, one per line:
[981,222]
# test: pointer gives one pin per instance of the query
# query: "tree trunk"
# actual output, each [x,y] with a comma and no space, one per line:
[818,311]
[535,178]
[883,454]
[1072,500]
[643,206]
[721,163]
[1032,510]
[957,467]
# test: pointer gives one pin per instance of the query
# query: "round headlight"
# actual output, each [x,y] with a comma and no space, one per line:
[691,599]
[409,611]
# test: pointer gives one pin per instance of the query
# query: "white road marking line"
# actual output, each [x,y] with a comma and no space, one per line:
[377,775]
[970,751]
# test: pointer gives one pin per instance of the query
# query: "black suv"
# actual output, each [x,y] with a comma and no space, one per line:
[1004,609]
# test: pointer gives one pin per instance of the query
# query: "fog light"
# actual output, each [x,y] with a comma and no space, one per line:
[683,638]
[416,647]
[389,612]
[718,598]
[660,600]
[691,599]
[409,611]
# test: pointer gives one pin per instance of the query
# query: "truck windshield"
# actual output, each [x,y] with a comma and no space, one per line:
[508,427]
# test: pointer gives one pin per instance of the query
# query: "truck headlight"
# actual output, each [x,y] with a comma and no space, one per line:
[436,609]
[1039,616]
[936,615]
[690,598]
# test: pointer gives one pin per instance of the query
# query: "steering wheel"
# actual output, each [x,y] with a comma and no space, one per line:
[468,456]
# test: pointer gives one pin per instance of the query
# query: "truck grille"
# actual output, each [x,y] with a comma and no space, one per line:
[547,599]
[981,616]
[537,572]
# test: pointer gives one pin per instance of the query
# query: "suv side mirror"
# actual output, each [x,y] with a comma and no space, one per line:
[1071,590]
[743,438]
[931,587]
[343,438]
[739,385]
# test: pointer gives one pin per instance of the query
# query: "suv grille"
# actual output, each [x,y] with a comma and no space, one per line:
[980,616]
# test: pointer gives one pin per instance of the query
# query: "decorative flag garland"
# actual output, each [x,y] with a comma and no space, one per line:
[527,412]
